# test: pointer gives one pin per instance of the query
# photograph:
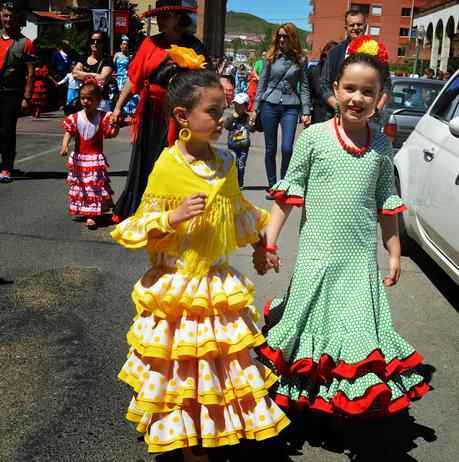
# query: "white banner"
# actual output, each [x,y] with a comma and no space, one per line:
[100,20]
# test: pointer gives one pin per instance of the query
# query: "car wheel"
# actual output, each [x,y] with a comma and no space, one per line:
[406,243]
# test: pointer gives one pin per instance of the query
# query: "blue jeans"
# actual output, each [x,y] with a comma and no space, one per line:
[241,160]
[271,116]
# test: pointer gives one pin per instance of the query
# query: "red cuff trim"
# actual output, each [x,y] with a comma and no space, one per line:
[283,197]
[392,212]
[357,407]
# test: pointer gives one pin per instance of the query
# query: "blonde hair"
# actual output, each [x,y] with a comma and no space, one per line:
[294,42]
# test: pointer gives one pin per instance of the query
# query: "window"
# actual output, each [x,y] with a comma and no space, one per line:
[406,12]
[375,30]
[404,32]
[401,51]
[446,104]
[376,10]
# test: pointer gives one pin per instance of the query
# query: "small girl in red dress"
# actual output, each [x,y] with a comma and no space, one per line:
[39,96]
[90,192]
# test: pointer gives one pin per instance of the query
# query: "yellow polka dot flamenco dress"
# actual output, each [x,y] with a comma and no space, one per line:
[189,364]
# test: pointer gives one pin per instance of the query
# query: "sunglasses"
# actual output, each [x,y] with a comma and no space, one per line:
[96,41]
[357,24]
[284,36]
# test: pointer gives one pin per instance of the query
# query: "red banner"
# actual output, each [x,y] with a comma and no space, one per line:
[121,19]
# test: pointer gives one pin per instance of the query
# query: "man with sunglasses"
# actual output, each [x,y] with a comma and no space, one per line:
[17,73]
[355,26]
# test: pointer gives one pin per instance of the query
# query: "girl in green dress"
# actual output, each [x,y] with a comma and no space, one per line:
[331,337]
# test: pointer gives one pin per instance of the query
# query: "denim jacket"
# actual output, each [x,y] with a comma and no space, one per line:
[279,81]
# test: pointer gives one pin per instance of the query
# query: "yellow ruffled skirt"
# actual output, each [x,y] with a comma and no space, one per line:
[189,362]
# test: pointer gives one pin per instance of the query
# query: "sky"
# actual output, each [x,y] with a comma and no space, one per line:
[277,11]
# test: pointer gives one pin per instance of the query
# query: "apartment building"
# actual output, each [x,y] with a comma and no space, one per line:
[389,21]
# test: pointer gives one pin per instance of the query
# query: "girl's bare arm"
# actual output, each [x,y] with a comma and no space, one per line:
[389,229]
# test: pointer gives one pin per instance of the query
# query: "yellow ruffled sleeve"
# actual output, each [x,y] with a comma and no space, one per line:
[152,214]
[250,221]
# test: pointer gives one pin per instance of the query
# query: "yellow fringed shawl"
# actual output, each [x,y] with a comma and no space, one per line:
[200,241]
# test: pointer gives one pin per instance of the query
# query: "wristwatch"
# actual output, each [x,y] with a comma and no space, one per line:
[28,99]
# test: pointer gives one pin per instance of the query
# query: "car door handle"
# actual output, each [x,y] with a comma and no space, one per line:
[429,154]
[457,180]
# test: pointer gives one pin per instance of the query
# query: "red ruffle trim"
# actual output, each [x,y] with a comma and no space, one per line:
[86,214]
[89,199]
[392,212]
[326,369]
[283,197]
[357,407]
[83,184]
[86,169]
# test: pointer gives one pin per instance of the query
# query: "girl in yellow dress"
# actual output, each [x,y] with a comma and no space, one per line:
[189,364]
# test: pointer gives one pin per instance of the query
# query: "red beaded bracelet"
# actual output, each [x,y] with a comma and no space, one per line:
[271,248]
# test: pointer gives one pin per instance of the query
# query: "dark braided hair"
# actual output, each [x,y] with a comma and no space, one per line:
[185,88]
[362,58]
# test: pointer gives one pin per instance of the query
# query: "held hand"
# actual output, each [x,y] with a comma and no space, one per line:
[26,108]
[306,120]
[191,207]
[115,117]
[64,151]
[274,261]
[260,262]
[394,272]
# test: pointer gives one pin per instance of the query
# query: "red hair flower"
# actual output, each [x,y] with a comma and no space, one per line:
[369,46]
[92,79]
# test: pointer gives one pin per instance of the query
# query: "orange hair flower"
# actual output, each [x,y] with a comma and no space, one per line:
[186,58]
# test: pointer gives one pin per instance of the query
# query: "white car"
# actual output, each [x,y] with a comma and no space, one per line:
[427,175]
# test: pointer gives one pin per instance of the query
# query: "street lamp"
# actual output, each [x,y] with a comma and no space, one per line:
[420,34]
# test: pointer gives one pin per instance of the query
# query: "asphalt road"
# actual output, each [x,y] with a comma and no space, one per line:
[65,309]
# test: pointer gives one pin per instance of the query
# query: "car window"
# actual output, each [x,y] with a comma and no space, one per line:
[446,106]
[418,95]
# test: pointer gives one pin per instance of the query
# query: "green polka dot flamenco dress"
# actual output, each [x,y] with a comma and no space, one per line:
[331,337]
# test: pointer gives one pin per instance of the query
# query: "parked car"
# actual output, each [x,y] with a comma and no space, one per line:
[407,103]
[427,175]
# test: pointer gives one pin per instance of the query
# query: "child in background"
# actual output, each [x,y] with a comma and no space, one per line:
[39,96]
[190,368]
[90,192]
[331,337]
[73,91]
[238,125]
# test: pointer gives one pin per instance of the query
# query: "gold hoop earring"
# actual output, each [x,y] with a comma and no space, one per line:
[185,133]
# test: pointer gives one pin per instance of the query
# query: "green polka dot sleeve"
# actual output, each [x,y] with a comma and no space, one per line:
[292,189]
[387,200]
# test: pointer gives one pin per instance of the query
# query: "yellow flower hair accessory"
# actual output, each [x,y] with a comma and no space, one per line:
[369,46]
[186,58]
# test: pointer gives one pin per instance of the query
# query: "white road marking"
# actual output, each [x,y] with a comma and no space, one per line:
[24,159]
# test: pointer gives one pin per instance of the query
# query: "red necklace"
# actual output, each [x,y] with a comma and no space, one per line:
[351,149]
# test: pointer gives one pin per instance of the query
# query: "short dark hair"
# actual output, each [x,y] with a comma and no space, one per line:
[94,87]
[362,58]
[354,12]
[184,88]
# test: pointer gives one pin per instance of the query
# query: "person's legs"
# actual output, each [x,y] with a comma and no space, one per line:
[10,105]
[241,160]
[270,118]
[288,123]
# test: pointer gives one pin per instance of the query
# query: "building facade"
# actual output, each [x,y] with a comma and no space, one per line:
[389,21]
[437,24]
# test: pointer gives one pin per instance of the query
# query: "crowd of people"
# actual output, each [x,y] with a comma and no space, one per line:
[330,338]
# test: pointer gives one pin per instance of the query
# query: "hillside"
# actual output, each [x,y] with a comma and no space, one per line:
[244,22]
